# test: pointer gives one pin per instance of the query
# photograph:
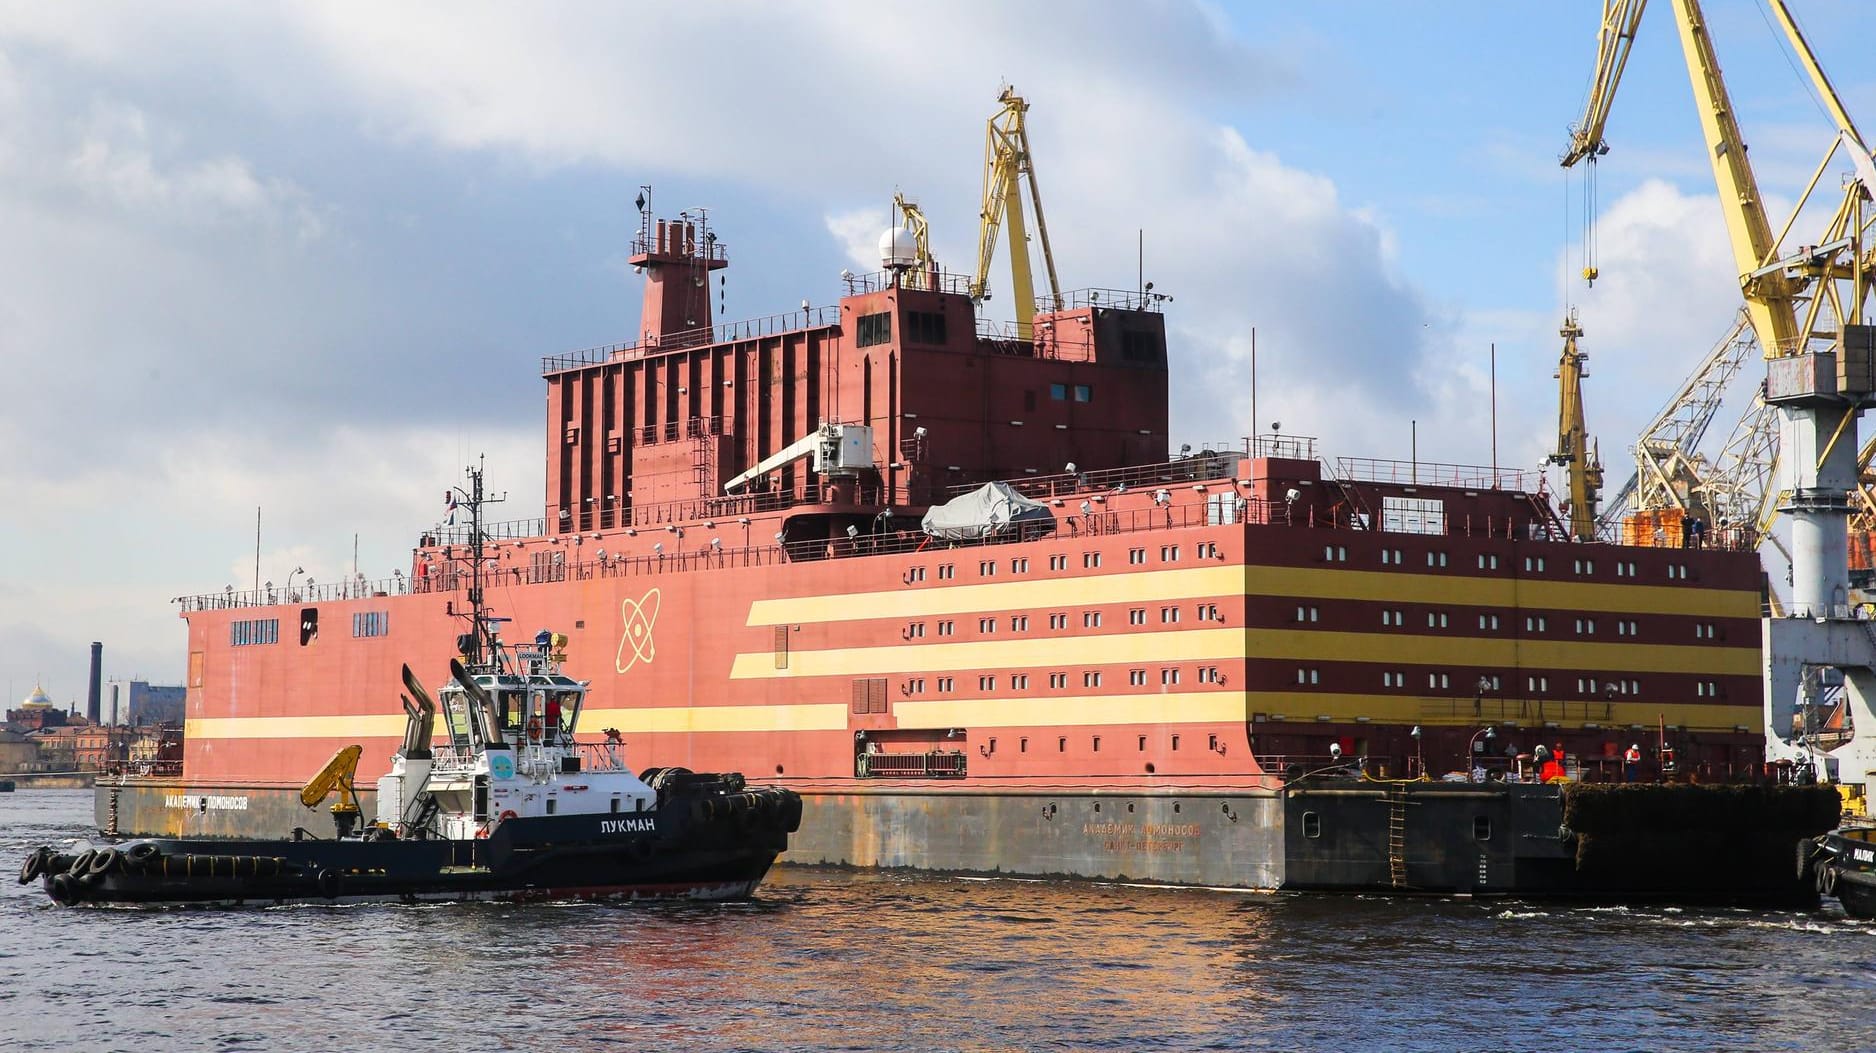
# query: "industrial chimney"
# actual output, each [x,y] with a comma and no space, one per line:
[94,699]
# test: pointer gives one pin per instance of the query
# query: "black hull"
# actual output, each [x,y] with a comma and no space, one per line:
[689,849]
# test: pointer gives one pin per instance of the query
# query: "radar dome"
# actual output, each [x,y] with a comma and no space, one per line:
[898,248]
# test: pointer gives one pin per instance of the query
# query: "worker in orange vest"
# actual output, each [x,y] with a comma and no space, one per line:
[1631,763]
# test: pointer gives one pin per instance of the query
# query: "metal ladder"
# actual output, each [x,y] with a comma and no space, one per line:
[1397,840]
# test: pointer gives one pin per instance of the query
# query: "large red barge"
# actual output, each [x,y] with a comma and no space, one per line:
[731,541]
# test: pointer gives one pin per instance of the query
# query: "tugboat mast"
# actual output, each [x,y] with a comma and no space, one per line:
[481,637]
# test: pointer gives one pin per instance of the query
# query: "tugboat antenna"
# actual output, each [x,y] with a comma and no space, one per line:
[481,637]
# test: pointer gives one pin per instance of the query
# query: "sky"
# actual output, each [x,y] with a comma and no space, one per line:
[305,258]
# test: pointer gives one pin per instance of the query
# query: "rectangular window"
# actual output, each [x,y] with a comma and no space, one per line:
[1169,553]
[1091,619]
[1536,624]
[1534,564]
[916,574]
[1209,550]
[946,628]
[873,329]
[1391,556]
[1091,679]
[1393,679]
[1058,562]
[1438,682]
[1436,559]
[986,625]
[1413,515]
[1136,677]
[1488,561]
[987,568]
[1136,555]
[1169,614]
[1058,392]
[986,683]
[1090,559]
[1537,684]
[947,570]
[945,683]
[1084,393]
[1019,681]
[1392,617]
[371,623]
[1058,621]
[1488,622]
[1169,675]
[1058,680]
[1019,566]
[1019,623]
[1436,619]
[1306,675]
[1303,614]
[1136,616]
[925,327]
[1208,674]
[254,632]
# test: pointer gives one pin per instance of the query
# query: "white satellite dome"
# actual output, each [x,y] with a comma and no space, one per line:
[898,248]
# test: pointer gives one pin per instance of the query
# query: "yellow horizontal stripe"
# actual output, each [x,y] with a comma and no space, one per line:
[1225,644]
[819,716]
[1191,707]
[355,727]
[1089,591]
[1321,583]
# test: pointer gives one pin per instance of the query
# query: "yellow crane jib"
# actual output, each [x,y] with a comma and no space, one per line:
[337,776]
[923,273]
[1575,450]
[1007,165]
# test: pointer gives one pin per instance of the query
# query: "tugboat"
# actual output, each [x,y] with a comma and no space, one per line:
[511,807]
[1844,865]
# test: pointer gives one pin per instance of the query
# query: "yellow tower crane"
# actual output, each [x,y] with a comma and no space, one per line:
[1007,165]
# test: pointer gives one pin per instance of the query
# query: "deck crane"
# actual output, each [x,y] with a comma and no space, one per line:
[924,269]
[1669,467]
[1575,449]
[1806,307]
[1007,165]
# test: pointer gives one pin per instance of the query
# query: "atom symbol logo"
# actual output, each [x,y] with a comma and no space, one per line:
[639,616]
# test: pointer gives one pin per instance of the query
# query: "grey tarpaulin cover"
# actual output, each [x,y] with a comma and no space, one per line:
[987,511]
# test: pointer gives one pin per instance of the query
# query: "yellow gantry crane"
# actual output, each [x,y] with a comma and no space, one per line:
[1805,305]
[1007,165]
[1574,446]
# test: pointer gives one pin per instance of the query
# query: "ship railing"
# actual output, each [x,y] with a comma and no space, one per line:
[1119,299]
[1432,473]
[1489,708]
[268,595]
[932,764]
[601,756]
[452,759]
[1205,465]
[940,280]
[722,333]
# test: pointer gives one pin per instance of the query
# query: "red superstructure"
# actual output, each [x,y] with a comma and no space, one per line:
[731,541]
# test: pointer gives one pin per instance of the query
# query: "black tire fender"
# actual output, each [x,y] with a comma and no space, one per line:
[329,883]
[1826,879]
[142,854]
[64,889]
[34,864]
[81,863]
[104,861]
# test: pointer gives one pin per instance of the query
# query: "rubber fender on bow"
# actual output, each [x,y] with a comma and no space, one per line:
[34,864]
[142,854]
[329,883]
[104,860]
[64,889]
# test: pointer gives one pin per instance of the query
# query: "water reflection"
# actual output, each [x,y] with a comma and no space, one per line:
[828,960]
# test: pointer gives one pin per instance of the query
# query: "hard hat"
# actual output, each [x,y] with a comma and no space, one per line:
[1635,746]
